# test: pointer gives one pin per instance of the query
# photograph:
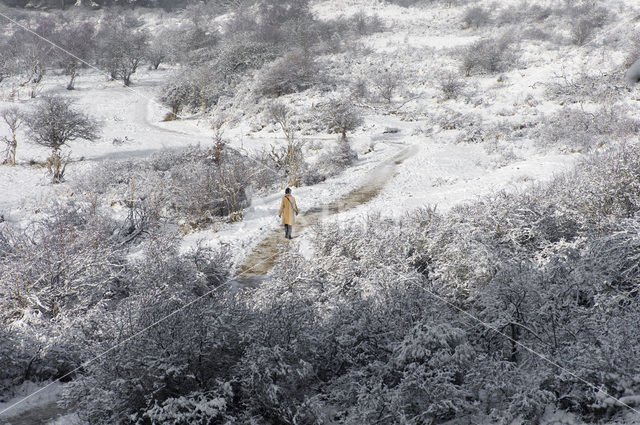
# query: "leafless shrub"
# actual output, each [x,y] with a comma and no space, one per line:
[359,89]
[489,55]
[364,24]
[580,130]
[451,86]
[387,83]
[522,13]
[476,17]
[292,73]
[585,19]
[586,86]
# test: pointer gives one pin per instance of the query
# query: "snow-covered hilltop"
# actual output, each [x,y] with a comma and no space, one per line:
[467,245]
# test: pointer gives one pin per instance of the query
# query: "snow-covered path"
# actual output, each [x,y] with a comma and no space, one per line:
[265,254]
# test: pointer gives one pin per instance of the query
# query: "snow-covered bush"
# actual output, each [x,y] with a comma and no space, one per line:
[489,55]
[295,72]
[341,116]
[183,186]
[175,357]
[65,266]
[524,12]
[14,360]
[476,17]
[364,24]
[451,86]
[585,19]
[581,130]
[387,83]
[597,88]
[336,160]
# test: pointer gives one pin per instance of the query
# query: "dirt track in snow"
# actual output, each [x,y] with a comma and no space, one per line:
[266,253]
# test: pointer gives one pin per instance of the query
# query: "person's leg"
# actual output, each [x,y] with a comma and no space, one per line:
[286,230]
[290,231]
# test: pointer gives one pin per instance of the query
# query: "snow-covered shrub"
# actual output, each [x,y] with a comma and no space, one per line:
[606,184]
[181,185]
[335,160]
[580,130]
[387,83]
[341,116]
[292,73]
[489,55]
[524,12]
[476,17]
[451,86]
[597,88]
[14,360]
[371,327]
[584,20]
[364,24]
[450,119]
[194,89]
[179,356]
[64,266]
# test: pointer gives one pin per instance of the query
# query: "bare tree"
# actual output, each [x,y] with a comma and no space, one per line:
[78,42]
[7,59]
[53,124]
[387,83]
[34,54]
[294,159]
[122,47]
[13,118]
[341,116]
[159,50]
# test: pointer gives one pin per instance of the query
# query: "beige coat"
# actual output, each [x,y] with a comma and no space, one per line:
[287,209]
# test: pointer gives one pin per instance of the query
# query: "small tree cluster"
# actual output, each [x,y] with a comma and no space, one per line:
[122,47]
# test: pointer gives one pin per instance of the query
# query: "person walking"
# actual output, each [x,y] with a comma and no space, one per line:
[288,208]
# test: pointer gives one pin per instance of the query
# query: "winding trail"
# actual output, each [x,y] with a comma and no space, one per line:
[262,259]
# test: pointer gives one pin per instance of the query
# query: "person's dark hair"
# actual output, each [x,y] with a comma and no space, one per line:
[287,191]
